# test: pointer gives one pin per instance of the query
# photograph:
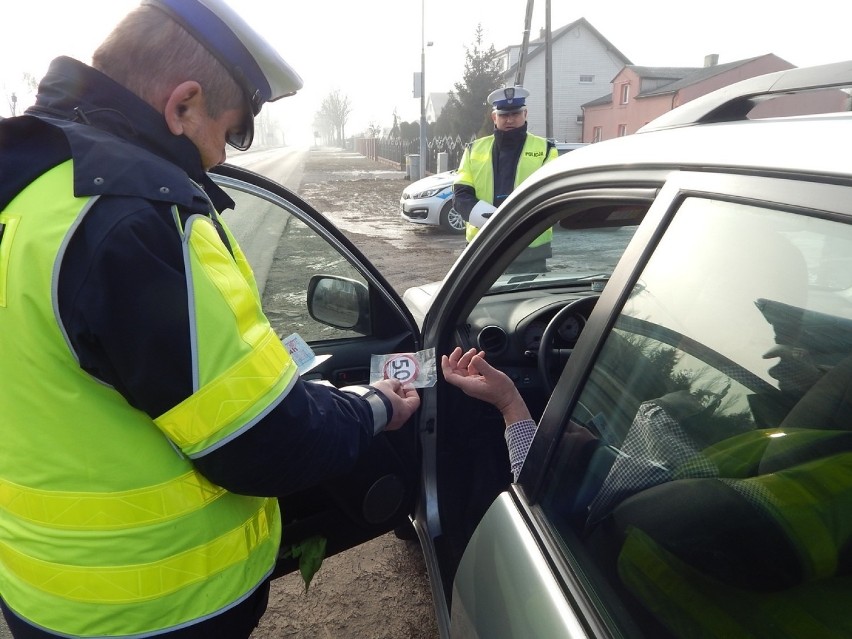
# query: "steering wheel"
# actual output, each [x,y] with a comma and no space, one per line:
[548,356]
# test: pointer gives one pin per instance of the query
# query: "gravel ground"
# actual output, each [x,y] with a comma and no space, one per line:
[362,198]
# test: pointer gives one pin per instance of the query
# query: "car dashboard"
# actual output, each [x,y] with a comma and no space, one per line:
[472,458]
[509,327]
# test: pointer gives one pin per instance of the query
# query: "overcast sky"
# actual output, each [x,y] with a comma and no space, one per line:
[369,50]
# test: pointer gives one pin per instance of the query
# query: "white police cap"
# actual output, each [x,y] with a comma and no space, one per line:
[508,99]
[254,64]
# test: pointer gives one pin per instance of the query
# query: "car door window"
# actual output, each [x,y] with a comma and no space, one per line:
[704,477]
[284,252]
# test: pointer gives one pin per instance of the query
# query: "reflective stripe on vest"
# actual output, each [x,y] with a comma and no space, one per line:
[240,368]
[477,170]
[104,529]
[76,510]
[107,584]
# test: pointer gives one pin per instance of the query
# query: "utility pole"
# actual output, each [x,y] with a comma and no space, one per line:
[423,146]
[522,58]
[548,73]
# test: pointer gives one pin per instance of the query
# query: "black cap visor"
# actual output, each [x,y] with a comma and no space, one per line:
[510,109]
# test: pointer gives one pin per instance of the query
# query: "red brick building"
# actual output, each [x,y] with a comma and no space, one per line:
[640,94]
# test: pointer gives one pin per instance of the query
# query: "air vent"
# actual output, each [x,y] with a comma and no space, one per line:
[492,340]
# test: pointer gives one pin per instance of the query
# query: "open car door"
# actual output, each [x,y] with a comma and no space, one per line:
[315,283]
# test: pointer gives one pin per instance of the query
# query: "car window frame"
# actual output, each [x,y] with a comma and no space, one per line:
[800,192]
[391,455]
[469,280]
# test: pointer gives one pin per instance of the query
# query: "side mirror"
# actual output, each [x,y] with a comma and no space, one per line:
[339,302]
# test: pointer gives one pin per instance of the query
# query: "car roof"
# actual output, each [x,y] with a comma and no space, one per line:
[813,144]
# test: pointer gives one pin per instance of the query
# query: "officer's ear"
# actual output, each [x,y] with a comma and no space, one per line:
[184,107]
[494,117]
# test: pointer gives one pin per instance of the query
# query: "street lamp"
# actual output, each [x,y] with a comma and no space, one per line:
[423,44]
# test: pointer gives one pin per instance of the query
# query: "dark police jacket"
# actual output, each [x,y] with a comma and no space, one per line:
[122,288]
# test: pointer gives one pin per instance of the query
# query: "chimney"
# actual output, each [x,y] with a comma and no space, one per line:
[711,60]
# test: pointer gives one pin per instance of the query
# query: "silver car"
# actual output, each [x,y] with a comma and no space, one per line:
[687,358]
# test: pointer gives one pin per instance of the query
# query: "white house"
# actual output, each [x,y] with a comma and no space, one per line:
[583,65]
[435,103]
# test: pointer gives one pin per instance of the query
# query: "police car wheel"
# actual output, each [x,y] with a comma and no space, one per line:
[450,220]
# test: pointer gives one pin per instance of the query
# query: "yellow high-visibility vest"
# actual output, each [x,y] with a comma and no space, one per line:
[106,528]
[477,170]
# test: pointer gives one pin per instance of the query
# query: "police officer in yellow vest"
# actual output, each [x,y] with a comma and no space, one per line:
[493,166]
[148,408]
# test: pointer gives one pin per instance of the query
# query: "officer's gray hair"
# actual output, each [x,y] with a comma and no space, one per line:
[150,54]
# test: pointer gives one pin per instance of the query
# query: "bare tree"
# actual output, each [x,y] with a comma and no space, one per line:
[268,130]
[323,128]
[374,130]
[394,132]
[12,103]
[334,112]
[29,84]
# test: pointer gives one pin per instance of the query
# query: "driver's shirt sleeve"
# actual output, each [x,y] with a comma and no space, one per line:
[122,297]
[519,437]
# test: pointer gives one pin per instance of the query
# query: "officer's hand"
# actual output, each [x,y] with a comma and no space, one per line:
[405,401]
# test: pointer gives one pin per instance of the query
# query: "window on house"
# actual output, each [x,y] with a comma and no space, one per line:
[579,119]
[625,93]
[597,134]
[622,130]
[587,79]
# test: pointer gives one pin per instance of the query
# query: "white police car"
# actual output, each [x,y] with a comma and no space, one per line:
[691,378]
[430,201]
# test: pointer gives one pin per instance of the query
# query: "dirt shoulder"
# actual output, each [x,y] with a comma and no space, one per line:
[379,590]
[362,197]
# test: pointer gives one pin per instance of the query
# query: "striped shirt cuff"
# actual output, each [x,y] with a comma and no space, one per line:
[519,436]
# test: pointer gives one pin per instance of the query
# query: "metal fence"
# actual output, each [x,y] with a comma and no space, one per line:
[394,150]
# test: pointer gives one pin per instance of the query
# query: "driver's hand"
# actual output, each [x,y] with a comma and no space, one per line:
[795,370]
[477,378]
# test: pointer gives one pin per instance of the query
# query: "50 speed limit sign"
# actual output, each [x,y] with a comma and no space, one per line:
[409,369]
[404,368]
